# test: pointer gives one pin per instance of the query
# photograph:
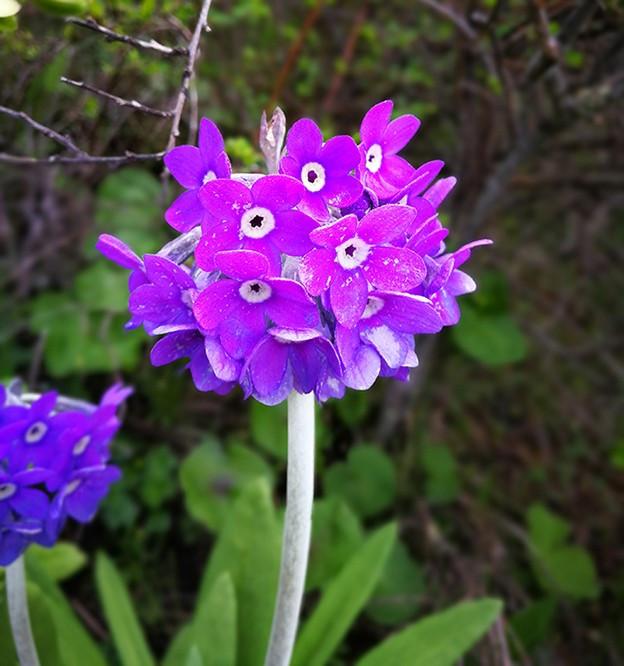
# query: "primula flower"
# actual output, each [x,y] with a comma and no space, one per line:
[380,168]
[193,167]
[308,280]
[287,359]
[240,306]
[54,463]
[262,218]
[354,254]
[323,168]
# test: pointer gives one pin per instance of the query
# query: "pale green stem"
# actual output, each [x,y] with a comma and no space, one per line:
[18,614]
[297,527]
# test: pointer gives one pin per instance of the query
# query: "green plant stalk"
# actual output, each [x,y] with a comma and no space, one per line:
[297,527]
[18,614]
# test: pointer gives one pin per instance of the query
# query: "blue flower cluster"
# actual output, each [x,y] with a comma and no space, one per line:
[54,455]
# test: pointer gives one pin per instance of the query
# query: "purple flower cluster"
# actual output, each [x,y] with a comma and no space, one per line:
[314,279]
[54,456]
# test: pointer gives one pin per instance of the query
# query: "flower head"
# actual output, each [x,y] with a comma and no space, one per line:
[323,168]
[54,464]
[312,280]
[192,167]
[380,167]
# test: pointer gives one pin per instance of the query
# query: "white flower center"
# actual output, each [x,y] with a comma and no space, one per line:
[255,291]
[373,305]
[211,175]
[81,445]
[352,253]
[36,432]
[72,486]
[7,490]
[257,222]
[374,157]
[313,176]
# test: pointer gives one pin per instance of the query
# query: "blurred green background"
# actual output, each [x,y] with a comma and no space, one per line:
[502,461]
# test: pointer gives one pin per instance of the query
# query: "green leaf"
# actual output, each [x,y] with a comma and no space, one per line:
[343,599]
[269,428]
[336,535]
[61,561]
[546,529]
[120,614]
[366,481]
[211,478]
[442,483]
[43,626]
[194,657]
[249,549]
[353,407]
[533,623]
[397,595]
[63,7]
[128,205]
[214,624]
[492,339]
[102,288]
[437,640]
[9,8]
[76,646]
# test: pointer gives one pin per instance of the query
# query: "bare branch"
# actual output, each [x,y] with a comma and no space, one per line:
[120,101]
[83,158]
[187,75]
[148,45]
[61,139]
[452,15]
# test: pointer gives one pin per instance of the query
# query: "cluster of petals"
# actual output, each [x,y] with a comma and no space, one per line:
[316,278]
[54,464]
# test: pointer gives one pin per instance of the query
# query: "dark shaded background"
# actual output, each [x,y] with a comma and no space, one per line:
[515,412]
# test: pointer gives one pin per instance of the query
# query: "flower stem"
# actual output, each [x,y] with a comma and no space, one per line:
[297,527]
[18,614]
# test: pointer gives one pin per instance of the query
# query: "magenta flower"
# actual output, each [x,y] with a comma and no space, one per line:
[380,168]
[239,307]
[286,359]
[193,167]
[323,168]
[354,254]
[262,219]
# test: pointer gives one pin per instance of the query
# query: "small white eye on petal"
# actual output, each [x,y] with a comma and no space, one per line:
[81,445]
[257,222]
[210,175]
[313,176]
[352,253]
[373,305]
[36,432]
[255,291]
[374,158]
[7,490]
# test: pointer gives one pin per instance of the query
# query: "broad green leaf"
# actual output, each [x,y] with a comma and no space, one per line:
[438,640]
[102,288]
[336,535]
[9,8]
[180,647]
[120,614]
[249,549]
[194,657]
[442,483]
[546,529]
[212,477]
[128,205]
[76,646]
[492,339]
[397,595]
[61,561]
[366,480]
[533,623]
[214,624]
[343,599]
[568,570]
[43,627]
[269,428]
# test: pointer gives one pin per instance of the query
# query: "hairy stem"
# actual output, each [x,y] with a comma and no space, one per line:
[297,526]
[18,614]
